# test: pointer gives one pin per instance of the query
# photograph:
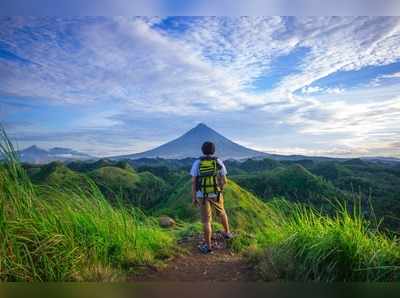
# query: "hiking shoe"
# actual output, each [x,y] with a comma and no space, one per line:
[205,249]
[227,236]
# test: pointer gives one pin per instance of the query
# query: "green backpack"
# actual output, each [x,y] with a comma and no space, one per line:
[207,179]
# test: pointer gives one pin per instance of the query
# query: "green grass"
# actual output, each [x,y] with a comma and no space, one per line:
[294,182]
[302,244]
[66,230]
[244,209]
[247,214]
[141,190]
[294,241]
[69,235]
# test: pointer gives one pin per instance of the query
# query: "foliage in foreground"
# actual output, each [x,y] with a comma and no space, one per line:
[294,241]
[76,235]
[302,244]
[69,235]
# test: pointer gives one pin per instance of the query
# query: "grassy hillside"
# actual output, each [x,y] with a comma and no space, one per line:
[303,244]
[56,174]
[69,235]
[143,189]
[116,180]
[245,211]
[304,180]
[311,181]
[293,182]
[377,183]
[73,233]
[87,166]
[170,176]
[294,241]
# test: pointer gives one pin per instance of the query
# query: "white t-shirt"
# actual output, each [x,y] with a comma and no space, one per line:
[195,171]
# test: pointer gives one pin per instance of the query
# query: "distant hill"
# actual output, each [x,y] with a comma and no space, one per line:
[293,182]
[138,189]
[116,181]
[384,160]
[36,155]
[163,185]
[189,144]
[56,174]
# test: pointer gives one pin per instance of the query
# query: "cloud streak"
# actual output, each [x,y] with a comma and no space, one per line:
[195,69]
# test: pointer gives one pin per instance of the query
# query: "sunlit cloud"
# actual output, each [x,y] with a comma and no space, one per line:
[118,74]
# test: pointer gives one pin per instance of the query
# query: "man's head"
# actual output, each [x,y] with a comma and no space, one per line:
[208,148]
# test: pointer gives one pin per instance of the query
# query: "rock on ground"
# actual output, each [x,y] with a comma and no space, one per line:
[166,222]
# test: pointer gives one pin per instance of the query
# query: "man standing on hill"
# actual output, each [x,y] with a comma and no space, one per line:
[208,181]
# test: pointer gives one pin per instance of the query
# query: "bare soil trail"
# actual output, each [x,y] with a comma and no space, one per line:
[193,266]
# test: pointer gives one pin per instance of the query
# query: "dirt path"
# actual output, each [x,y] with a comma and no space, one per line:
[221,265]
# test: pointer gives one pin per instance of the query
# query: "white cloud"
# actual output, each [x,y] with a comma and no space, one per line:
[335,90]
[213,62]
[317,89]
[342,44]
[378,80]
[365,128]
[390,76]
[126,60]
[134,66]
[310,89]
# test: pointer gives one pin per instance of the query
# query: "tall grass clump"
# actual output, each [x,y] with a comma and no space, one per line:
[303,244]
[62,235]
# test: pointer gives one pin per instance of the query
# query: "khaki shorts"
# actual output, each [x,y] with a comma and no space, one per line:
[208,205]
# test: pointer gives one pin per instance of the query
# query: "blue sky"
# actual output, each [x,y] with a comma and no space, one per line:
[289,85]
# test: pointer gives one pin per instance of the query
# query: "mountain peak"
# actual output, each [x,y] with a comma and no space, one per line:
[189,145]
[201,125]
[34,148]
[202,132]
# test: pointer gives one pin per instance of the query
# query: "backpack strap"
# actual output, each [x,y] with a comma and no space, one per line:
[208,157]
[215,185]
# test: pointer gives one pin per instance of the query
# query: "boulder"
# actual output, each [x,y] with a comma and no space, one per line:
[166,222]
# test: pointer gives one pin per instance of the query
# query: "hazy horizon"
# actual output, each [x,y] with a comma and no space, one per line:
[326,86]
[200,123]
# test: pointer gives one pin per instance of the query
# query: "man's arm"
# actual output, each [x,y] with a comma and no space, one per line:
[194,173]
[221,182]
[222,175]
[194,181]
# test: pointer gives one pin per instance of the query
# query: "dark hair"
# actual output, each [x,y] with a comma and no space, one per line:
[208,148]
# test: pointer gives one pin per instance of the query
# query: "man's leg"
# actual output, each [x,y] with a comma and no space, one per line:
[219,206]
[206,219]
[224,221]
[207,233]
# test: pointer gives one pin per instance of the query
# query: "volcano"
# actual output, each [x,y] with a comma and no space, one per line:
[189,145]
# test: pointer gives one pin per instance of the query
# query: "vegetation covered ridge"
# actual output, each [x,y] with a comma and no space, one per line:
[69,234]
[86,221]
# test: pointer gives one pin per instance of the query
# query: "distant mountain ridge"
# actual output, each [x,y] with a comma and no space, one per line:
[36,155]
[186,146]
[189,145]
